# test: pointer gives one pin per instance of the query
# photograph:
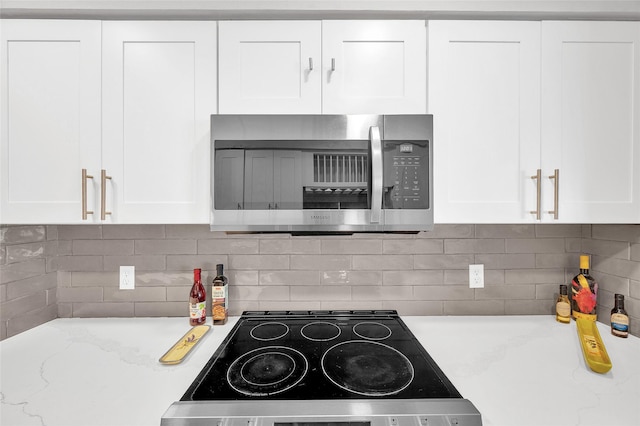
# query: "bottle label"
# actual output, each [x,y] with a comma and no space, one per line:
[197,310]
[220,302]
[583,299]
[592,346]
[563,309]
[619,324]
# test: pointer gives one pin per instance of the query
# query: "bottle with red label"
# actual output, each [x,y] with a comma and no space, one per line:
[197,300]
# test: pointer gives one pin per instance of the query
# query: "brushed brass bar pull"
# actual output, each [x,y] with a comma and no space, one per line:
[85,212]
[103,195]
[556,179]
[538,178]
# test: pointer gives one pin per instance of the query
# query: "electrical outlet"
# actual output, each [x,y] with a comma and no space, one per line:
[127,277]
[476,276]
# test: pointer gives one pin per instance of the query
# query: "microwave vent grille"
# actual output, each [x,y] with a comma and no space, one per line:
[340,168]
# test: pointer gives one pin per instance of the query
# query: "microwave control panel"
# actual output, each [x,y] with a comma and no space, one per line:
[406,174]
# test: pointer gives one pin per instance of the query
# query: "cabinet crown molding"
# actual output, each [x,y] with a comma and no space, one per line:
[322,9]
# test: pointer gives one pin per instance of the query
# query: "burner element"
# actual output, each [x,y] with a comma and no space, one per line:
[267,371]
[372,330]
[367,368]
[269,331]
[320,331]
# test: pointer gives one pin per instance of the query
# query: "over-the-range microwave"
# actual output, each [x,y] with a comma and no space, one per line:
[322,173]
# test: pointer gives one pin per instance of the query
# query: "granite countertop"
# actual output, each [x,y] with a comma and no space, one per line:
[517,370]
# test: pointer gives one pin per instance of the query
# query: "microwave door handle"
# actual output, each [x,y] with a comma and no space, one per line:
[376,174]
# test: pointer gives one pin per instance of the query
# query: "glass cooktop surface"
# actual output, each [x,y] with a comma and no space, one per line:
[301,355]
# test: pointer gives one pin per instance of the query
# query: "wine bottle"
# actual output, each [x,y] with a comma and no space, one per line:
[197,300]
[619,318]
[220,297]
[584,290]
[563,306]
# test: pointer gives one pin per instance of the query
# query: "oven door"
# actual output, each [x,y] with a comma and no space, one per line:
[297,173]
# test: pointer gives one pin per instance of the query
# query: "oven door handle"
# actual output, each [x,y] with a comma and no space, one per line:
[376,173]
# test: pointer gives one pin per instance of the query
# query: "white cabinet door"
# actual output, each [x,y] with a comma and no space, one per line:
[484,85]
[374,67]
[270,67]
[591,120]
[50,119]
[159,90]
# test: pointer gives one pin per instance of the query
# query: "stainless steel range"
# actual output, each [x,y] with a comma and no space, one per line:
[321,368]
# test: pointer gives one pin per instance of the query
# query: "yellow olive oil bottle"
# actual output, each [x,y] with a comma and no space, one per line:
[563,306]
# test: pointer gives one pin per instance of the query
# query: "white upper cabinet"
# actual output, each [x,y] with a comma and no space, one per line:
[591,119]
[159,90]
[506,106]
[270,67]
[50,120]
[374,67]
[484,85]
[330,67]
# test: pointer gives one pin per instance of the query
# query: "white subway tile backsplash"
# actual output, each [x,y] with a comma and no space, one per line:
[228,246]
[351,278]
[351,246]
[390,262]
[165,247]
[72,270]
[303,278]
[413,277]
[321,293]
[413,246]
[320,262]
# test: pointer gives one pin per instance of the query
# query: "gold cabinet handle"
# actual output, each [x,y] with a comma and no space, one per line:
[103,195]
[538,178]
[556,179]
[85,212]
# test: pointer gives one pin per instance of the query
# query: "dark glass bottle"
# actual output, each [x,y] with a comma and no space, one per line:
[584,290]
[197,300]
[619,318]
[220,297]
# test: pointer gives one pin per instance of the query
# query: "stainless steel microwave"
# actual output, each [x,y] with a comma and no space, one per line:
[322,173]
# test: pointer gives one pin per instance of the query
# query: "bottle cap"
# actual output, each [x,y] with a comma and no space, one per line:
[584,261]
[563,289]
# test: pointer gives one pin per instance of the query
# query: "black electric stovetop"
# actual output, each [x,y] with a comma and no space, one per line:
[304,355]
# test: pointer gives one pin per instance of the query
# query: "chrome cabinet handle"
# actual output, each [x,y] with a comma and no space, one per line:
[85,211]
[376,174]
[310,64]
[103,195]
[556,178]
[333,64]
[538,179]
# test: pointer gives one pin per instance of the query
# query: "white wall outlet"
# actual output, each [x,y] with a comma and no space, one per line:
[127,277]
[476,276]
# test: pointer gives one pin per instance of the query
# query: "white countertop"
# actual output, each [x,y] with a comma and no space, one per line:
[517,370]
